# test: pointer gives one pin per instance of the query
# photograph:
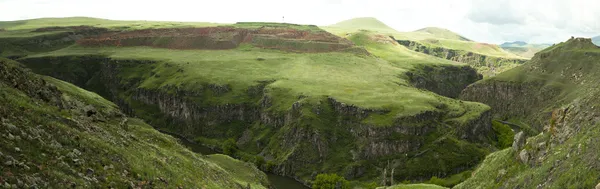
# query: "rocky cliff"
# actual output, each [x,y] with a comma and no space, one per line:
[312,136]
[555,93]
[486,65]
[56,135]
[447,81]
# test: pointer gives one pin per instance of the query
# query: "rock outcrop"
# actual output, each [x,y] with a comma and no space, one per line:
[56,135]
[322,133]
[564,153]
[487,65]
[447,81]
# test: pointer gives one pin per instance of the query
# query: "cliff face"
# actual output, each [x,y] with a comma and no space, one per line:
[310,137]
[555,92]
[56,135]
[447,81]
[486,65]
[16,47]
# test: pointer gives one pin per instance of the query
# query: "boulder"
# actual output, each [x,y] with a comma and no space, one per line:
[519,141]
[598,186]
[524,156]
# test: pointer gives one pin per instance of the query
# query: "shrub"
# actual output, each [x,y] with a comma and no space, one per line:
[259,161]
[504,133]
[229,147]
[330,181]
[270,165]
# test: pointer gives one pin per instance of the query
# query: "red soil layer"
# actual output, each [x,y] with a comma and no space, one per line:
[71,28]
[223,38]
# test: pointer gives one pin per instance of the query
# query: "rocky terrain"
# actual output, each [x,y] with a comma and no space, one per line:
[56,135]
[286,110]
[555,93]
[293,100]
[485,64]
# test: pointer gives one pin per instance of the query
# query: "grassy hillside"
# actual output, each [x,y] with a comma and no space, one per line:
[57,135]
[356,24]
[293,113]
[442,33]
[431,36]
[96,22]
[555,93]
[523,49]
[488,59]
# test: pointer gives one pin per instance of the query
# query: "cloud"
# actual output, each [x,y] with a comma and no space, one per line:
[482,20]
[496,12]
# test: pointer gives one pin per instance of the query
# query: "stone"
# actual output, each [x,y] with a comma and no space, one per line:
[11,127]
[524,156]
[519,141]
[598,186]
[90,110]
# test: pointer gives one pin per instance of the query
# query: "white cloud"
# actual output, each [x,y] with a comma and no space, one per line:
[482,20]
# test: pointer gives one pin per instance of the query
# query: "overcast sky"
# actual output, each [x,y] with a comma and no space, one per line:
[491,21]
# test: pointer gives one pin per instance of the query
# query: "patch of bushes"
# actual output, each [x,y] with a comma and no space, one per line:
[330,181]
[504,133]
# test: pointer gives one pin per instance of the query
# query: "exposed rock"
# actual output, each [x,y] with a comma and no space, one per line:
[473,59]
[299,140]
[598,186]
[444,80]
[524,156]
[90,110]
[519,141]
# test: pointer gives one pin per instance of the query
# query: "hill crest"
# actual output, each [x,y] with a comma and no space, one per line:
[368,23]
[443,33]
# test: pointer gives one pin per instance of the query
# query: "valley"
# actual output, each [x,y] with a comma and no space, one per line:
[277,105]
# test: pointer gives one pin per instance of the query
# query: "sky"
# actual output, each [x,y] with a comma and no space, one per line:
[490,21]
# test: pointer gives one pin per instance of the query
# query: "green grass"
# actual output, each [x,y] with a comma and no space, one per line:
[442,33]
[436,37]
[504,133]
[363,81]
[413,186]
[563,157]
[356,24]
[526,51]
[310,80]
[56,146]
[96,22]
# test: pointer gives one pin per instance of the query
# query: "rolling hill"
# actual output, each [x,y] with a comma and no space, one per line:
[488,59]
[523,49]
[295,100]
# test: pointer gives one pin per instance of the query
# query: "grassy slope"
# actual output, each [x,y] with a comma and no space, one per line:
[360,80]
[373,82]
[96,22]
[35,151]
[527,50]
[436,37]
[570,67]
[413,186]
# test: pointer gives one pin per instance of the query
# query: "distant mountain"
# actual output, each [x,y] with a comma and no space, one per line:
[443,33]
[596,40]
[512,44]
[523,49]
[438,42]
